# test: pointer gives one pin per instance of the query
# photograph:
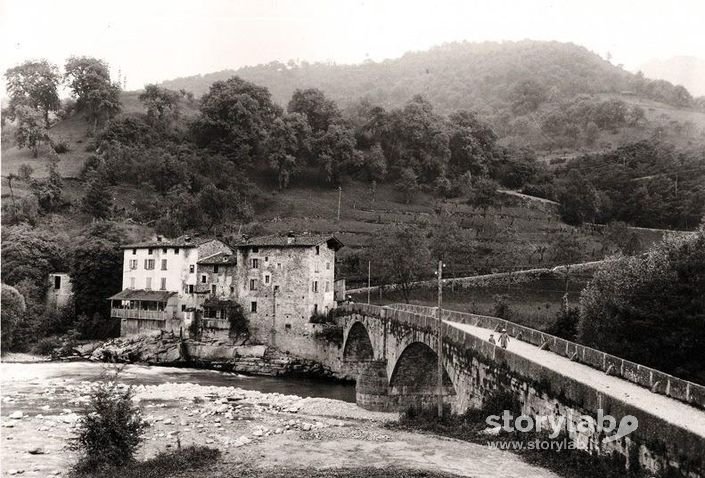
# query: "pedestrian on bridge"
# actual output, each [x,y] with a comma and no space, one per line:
[492,340]
[504,339]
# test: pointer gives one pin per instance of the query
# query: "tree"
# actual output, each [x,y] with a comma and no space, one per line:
[219,206]
[402,254]
[49,190]
[97,201]
[471,143]
[89,81]
[13,308]
[34,84]
[654,302]
[28,256]
[31,131]
[375,164]
[527,96]
[334,151]
[320,111]
[287,146]
[578,199]
[407,184]
[95,267]
[483,194]
[162,104]
[236,117]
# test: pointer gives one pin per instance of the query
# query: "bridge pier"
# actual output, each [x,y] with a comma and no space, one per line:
[371,388]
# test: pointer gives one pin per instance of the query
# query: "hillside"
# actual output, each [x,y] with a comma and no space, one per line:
[516,86]
[683,70]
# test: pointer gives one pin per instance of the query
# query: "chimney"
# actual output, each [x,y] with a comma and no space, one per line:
[290,237]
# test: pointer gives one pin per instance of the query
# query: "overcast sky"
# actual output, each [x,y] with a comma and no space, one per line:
[154,40]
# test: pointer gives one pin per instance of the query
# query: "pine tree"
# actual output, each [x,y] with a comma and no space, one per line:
[97,202]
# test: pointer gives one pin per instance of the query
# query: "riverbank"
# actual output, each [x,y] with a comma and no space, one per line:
[165,349]
[252,429]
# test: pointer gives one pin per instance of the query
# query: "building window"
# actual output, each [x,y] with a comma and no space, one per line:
[149,264]
[327,286]
[255,263]
[164,250]
[190,288]
[279,265]
[253,306]
[176,250]
[183,307]
[232,289]
[148,285]
[213,289]
[327,266]
[191,268]
[315,309]
[149,251]
[315,286]
[133,264]
[253,284]
[287,326]
[132,282]
[163,284]
[163,264]
[318,250]
[266,279]
[215,269]
[134,252]
[255,249]
[204,278]
[266,258]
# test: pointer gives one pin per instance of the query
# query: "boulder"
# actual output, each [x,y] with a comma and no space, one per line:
[18,415]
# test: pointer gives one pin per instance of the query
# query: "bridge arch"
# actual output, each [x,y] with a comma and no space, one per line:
[414,379]
[358,346]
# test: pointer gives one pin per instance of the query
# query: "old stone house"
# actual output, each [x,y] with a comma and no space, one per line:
[279,281]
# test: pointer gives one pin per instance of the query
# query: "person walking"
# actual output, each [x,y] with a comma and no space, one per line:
[504,339]
[492,340]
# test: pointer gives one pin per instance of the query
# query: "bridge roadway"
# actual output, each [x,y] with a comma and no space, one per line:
[673,411]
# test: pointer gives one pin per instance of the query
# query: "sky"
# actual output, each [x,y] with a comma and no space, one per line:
[149,41]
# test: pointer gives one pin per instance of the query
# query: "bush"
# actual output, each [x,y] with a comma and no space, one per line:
[97,327]
[319,318]
[46,346]
[501,307]
[110,428]
[330,333]
[61,146]
[238,320]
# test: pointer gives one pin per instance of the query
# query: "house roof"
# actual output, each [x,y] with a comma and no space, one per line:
[221,258]
[181,241]
[303,240]
[143,294]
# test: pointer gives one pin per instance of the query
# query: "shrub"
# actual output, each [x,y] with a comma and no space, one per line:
[319,318]
[330,333]
[238,320]
[61,146]
[110,428]
[46,346]
[97,327]
[501,307]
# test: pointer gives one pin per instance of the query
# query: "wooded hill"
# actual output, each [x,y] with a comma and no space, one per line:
[556,97]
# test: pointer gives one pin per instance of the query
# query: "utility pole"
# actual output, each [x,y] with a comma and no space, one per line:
[440,339]
[369,267]
[340,196]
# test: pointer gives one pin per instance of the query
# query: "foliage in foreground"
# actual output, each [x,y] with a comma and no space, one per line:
[161,466]
[649,303]
[110,429]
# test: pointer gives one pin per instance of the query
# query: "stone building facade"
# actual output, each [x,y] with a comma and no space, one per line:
[60,290]
[279,281]
[284,280]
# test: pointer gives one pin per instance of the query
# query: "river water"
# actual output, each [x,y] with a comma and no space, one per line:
[25,378]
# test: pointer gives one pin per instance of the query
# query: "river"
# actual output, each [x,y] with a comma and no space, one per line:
[21,379]
[260,421]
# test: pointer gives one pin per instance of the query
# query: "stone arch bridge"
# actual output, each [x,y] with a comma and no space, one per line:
[393,352]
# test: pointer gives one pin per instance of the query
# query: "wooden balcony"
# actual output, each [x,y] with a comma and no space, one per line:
[138,314]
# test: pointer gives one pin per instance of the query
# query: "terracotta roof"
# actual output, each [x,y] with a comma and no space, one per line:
[221,258]
[303,240]
[142,294]
[181,241]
